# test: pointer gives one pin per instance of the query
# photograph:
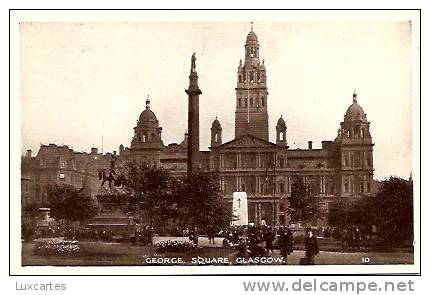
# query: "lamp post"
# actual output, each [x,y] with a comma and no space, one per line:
[274,191]
[273,164]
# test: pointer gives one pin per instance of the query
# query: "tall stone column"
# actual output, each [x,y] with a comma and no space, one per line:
[193,91]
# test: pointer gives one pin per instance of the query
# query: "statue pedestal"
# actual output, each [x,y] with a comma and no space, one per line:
[112,218]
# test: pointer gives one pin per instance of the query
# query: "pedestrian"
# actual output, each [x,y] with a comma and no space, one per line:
[356,239]
[195,236]
[344,238]
[211,234]
[190,236]
[311,247]
[235,237]
[268,238]
[285,244]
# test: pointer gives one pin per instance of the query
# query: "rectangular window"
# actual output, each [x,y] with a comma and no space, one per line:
[281,188]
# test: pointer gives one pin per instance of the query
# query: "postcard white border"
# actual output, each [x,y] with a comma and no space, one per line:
[187,16]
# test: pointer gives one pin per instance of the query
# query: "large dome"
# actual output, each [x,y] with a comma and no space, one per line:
[355,111]
[252,37]
[147,115]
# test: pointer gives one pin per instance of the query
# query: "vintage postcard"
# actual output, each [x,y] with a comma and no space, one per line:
[258,142]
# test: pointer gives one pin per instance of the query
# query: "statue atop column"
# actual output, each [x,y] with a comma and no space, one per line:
[193,63]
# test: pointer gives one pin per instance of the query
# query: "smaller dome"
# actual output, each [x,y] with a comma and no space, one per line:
[262,66]
[281,122]
[216,124]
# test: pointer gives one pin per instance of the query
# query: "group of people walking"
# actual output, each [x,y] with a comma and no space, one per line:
[260,241]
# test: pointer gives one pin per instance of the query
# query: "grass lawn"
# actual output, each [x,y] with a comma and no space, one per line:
[111,254]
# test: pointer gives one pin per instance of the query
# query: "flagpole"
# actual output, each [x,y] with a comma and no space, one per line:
[247,98]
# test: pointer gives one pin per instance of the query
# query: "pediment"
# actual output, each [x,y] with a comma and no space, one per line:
[247,141]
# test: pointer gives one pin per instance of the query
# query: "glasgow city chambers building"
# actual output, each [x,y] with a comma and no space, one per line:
[341,170]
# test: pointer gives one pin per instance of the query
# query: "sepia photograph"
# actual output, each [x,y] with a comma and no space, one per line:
[165,142]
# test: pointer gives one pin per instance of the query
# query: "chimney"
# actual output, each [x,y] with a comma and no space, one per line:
[310,144]
[94,151]
[28,154]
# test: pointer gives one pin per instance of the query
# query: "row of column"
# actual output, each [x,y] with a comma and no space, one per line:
[365,159]
[238,160]
[349,185]
[285,179]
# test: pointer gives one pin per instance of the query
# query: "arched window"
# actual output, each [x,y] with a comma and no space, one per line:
[356,131]
[216,137]
[281,136]
[346,186]
[262,101]
[238,102]
[251,102]
[240,78]
[362,133]
[143,139]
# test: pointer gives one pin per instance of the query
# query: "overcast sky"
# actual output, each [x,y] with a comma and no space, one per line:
[82,81]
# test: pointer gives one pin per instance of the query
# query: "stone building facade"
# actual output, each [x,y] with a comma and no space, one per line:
[55,164]
[341,170]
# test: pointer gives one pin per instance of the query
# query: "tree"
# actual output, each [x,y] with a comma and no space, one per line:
[201,202]
[345,213]
[149,193]
[392,210]
[70,204]
[29,219]
[304,207]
